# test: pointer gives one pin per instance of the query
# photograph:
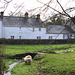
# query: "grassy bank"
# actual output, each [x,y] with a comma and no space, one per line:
[17,49]
[57,64]
[51,64]
[45,64]
[1,57]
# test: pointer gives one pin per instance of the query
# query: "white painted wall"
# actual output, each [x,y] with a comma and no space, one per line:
[25,33]
[1,30]
[28,33]
[54,36]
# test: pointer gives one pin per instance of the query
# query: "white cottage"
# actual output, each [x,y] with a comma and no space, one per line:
[31,28]
[60,32]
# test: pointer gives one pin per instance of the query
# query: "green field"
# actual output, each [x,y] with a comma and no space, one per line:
[44,64]
[16,49]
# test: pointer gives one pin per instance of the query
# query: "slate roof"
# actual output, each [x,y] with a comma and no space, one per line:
[70,23]
[54,29]
[9,21]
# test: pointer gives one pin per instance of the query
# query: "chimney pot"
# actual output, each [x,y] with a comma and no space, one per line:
[2,13]
[38,16]
[26,14]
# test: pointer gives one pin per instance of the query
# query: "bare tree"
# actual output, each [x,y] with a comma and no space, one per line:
[64,12]
[41,9]
[17,8]
[47,5]
[44,8]
[5,4]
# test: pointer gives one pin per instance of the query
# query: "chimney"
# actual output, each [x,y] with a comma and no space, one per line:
[26,14]
[38,16]
[2,14]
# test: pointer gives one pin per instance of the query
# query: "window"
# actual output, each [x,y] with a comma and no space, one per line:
[72,36]
[38,37]
[20,27]
[19,37]
[12,37]
[66,36]
[50,37]
[33,29]
[39,29]
[69,36]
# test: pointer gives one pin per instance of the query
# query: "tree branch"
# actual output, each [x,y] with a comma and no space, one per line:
[52,8]
[63,9]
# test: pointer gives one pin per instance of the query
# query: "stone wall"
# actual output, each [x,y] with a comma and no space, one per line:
[35,41]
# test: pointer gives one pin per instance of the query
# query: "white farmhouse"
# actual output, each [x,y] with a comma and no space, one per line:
[60,32]
[31,28]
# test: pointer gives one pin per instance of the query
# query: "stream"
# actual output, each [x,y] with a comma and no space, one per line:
[8,72]
[65,52]
[11,66]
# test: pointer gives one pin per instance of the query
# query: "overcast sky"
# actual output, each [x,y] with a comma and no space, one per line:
[28,5]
